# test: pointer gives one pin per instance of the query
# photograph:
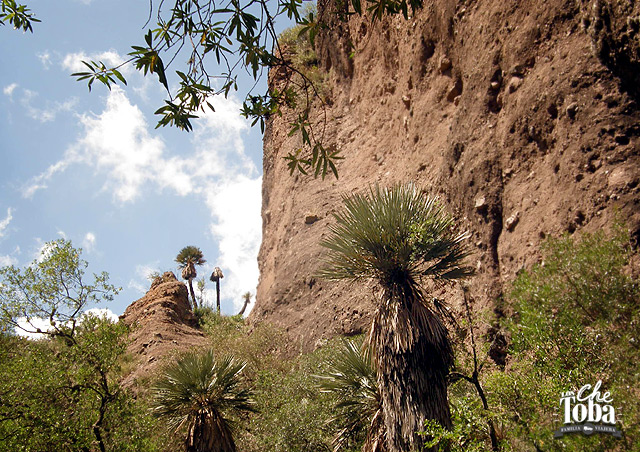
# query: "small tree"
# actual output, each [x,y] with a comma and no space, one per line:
[188,258]
[62,392]
[201,285]
[199,393]
[398,237]
[52,289]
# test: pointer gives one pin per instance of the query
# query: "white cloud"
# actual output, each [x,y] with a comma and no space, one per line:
[89,242]
[7,260]
[40,181]
[143,85]
[29,329]
[5,223]
[141,283]
[138,286]
[72,62]
[105,313]
[9,89]
[231,188]
[239,232]
[46,112]
[45,59]
[10,259]
[118,144]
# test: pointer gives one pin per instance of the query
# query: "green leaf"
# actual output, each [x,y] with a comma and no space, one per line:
[119,76]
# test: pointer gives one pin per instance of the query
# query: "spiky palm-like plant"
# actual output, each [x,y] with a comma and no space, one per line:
[352,379]
[216,276]
[247,300]
[399,237]
[188,258]
[198,393]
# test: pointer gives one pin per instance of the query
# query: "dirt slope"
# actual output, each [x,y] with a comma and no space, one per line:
[162,325]
[522,116]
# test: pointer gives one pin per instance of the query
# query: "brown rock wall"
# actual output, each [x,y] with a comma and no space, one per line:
[162,324]
[506,110]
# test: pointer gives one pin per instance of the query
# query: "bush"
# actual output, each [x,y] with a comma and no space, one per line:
[576,321]
[292,412]
[296,46]
[469,432]
[62,393]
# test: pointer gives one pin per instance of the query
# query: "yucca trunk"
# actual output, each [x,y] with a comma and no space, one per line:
[413,357]
[218,296]
[209,432]
[188,274]
[193,295]
[376,436]
[244,306]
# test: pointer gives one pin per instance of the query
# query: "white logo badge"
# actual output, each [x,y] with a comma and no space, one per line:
[588,411]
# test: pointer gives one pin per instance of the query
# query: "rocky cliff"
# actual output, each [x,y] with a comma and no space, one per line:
[162,324]
[521,116]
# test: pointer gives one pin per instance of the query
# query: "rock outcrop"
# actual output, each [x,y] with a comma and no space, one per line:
[522,117]
[162,324]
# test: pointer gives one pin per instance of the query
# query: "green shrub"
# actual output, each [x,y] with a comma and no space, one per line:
[576,321]
[469,432]
[292,412]
[206,316]
[261,345]
[60,394]
[296,45]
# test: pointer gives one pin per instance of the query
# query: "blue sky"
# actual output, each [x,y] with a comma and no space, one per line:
[90,167]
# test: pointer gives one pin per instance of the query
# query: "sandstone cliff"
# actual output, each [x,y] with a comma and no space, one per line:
[522,116]
[162,325]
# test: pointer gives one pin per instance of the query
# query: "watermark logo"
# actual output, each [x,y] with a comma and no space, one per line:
[588,411]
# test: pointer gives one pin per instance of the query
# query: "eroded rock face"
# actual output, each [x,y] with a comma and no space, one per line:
[162,325]
[510,114]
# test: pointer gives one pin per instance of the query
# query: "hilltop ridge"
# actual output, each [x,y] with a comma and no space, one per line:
[162,324]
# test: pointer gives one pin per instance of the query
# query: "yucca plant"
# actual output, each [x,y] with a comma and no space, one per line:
[399,238]
[188,258]
[247,300]
[199,393]
[357,412]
